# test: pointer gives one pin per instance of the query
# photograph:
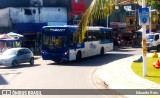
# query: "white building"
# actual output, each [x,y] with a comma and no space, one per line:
[50,15]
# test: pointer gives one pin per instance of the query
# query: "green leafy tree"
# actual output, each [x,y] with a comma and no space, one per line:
[99,9]
[155,4]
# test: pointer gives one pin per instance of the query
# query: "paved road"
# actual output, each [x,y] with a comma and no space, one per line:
[50,75]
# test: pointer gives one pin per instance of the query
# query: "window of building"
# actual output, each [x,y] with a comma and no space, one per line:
[156,37]
[27,12]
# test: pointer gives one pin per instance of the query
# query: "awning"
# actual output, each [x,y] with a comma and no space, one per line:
[5,36]
[14,34]
[29,27]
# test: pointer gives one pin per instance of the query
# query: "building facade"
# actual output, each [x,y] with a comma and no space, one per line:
[77,10]
[27,17]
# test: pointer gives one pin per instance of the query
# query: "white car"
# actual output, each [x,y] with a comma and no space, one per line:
[15,56]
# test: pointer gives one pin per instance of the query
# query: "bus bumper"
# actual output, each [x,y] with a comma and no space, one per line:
[56,58]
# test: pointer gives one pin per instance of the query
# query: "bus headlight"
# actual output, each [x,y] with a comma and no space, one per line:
[66,53]
[44,52]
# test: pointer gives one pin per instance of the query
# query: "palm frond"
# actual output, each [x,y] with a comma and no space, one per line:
[97,10]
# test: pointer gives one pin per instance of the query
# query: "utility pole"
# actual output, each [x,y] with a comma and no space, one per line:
[107,20]
[144,43]
[150,19]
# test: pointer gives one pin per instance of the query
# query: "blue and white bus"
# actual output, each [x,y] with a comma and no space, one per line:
[58,43]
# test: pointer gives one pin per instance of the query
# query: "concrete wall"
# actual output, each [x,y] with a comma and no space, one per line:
[53,15]
[34,3]
[9,16]
[35,15]
[4,18]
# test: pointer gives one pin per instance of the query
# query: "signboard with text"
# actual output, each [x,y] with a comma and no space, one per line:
[143,16]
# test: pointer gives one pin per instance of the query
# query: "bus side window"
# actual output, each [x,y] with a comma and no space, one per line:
[89,36]
[110,34]
[101,35]
[107,35]
[85,37]
[104,35]
[95,37]
[71,39]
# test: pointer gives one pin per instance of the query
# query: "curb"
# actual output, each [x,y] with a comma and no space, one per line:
[110,83]
[37,57]
[100,84]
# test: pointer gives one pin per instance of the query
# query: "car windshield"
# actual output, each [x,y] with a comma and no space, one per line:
[149,37]
[10,52]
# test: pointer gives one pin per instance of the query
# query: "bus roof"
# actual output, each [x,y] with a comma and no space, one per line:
[75,27]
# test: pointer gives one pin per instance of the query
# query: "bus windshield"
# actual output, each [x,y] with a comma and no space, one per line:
[54,40]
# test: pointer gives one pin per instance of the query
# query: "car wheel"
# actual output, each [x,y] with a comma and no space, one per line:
[31,61]
[14,63]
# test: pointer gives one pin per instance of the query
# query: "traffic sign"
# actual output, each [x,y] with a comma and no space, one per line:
[143,16]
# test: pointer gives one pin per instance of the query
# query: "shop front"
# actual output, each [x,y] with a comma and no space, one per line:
[31,33]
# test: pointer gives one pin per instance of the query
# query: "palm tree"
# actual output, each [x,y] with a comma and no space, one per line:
[97,10]
[156,4]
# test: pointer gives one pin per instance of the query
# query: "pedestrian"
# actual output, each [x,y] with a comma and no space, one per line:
[119,41]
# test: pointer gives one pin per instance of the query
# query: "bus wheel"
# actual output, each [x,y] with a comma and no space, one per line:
[102,51]
[57,61]
[78,56]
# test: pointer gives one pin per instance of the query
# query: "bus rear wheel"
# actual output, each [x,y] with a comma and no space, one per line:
[102,51]
[78,56]
[57,61]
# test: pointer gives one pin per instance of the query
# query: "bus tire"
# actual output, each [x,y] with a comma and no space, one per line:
[57,61]
[102,51]
[78,56]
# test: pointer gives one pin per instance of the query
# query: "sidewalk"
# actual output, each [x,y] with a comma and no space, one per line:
[119,75]
[37,57]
